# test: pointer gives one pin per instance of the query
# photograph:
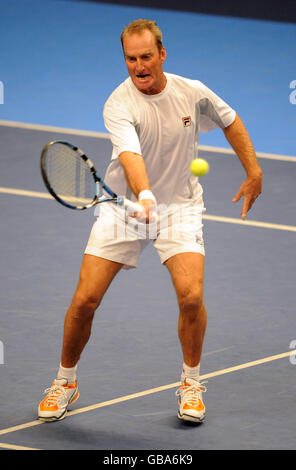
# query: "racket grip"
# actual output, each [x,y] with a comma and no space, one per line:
[132,206]
[137,208]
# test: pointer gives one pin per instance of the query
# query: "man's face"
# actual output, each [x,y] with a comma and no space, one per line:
[144,62]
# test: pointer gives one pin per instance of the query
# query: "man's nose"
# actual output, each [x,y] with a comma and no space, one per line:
[140,65]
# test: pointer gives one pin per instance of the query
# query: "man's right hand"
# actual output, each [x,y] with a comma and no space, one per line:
[149,211]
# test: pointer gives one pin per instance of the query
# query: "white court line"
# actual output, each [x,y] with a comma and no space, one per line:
[24,192]
[19,427]
[153,390]
[228,151]
[251,223]
[61,130]
[102,135]
[215,218]
[15,447]
[177,384]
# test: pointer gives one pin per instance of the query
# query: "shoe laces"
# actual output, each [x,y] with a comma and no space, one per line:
[192,392]
[55,393]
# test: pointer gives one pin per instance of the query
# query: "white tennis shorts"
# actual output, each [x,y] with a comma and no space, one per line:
[121,238]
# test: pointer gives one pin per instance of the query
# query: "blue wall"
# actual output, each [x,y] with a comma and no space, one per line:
[60,60]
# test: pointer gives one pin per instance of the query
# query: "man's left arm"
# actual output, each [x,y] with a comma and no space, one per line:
[239,139]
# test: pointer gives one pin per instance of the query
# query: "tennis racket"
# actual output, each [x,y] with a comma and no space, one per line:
[71,178]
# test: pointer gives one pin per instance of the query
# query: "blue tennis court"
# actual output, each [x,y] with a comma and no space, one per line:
[129,371]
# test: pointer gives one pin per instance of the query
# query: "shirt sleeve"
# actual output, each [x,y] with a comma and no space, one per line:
[121,125]
[213,111]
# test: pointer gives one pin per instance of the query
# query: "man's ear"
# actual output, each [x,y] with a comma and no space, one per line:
[163,55]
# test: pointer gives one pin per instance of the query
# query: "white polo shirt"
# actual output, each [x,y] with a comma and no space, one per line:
[164,129]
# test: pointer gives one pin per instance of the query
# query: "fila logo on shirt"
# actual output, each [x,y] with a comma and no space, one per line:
[186,121]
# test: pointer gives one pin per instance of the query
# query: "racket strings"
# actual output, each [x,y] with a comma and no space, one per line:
[69,175]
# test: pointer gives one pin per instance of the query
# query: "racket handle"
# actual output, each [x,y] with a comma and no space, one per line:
[136,207]
[132,206]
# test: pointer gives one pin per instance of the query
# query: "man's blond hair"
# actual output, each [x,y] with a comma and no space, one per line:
[139,26]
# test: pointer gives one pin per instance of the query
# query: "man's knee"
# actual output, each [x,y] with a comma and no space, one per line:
[84,304]
[191,300]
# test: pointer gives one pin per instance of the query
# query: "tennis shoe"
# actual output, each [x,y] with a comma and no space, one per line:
[191,406]
[58,397]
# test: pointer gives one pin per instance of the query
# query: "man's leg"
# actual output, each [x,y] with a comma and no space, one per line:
[187,272]
[95,277]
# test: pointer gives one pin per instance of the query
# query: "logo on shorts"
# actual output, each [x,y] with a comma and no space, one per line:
[186,121]
[199,240]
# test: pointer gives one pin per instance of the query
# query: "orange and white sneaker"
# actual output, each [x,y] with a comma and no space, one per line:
[191,406]
[54,406]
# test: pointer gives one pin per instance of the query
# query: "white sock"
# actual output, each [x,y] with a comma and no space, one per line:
[68,373]
[190,372]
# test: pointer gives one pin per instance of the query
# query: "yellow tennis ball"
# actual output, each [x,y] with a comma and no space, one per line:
[199,167]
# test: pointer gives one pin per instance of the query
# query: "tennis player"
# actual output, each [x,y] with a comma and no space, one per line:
[154,119]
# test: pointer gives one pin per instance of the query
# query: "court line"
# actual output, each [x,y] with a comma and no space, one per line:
[25,192]
[215,218]
[20,427]
[251,223]
[229,151]
[61,130]
[103,135]
[177,384]
[154,390]
[15,447]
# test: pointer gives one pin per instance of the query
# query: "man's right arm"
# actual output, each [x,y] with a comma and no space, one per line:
[137,178]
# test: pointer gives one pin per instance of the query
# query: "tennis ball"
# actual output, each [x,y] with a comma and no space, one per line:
[199,167]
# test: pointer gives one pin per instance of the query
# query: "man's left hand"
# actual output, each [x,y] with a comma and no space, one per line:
[250,190]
